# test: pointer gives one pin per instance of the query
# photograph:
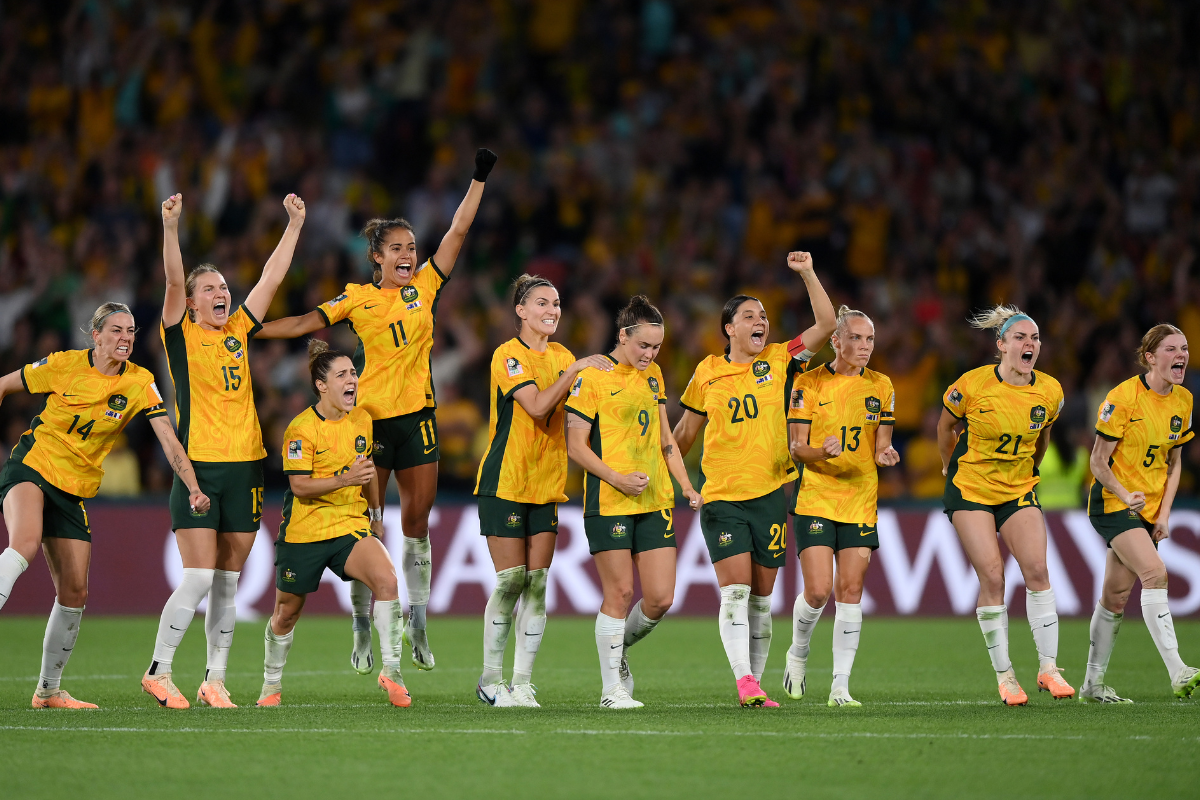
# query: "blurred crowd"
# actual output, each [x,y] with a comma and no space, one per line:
[935,157]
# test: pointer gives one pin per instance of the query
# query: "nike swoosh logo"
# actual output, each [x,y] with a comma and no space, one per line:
[739,624]
[69,395]
[1139,419]
[668,535]
[500,623]
[1160,616]
[322,452]
[827,402]
[855,631]
[368,308]
[868,533]
[176,629]
[714,380]
[993,647]
[1048,624]
[615,646]
[228,631]
[759,638]
[206,344]
[986,410]
[431,449]
[614,394]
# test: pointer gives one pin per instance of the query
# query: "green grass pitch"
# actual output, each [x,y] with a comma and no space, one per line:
[931,725]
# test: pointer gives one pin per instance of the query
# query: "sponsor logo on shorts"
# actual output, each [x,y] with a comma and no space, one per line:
[724,539]
[289,576]
[514,368]
[118,402]
[408,294]
[295,450]
[653,384]
[360,444]
[619,530]
[816,526]
[514,520]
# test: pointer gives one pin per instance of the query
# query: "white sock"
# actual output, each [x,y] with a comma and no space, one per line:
[531,623]
[417,563]
[219,621]
[1162,628]
[1043,621]
[277,652]
[847,625]
[804,619]
[609,645]
[12,564]
[993,621]
[1103,634]
[734,626]
[760,634]
[360,606]
[638,625]
[389,621]
[177,614]
[62,629]
[497,622]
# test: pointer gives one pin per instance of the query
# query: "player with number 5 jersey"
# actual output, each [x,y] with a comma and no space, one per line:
[738,399]
[840,418]
[993,432]
[393,317]
[208,351]
[91,395]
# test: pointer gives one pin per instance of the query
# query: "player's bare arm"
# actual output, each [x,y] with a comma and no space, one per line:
[259,299]
[1102,451]
[687,430]
[452,242]
[541,403]
[179,461]
[674,457]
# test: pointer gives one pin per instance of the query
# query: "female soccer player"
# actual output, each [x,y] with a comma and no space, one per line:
[848,409]
[993,432]
[618,432]
[326,522]
[92,395]
[393,318]
[522,479]
[741,397]
[208,353]
[1135,461]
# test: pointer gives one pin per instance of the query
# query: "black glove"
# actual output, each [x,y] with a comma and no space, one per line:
[484,161]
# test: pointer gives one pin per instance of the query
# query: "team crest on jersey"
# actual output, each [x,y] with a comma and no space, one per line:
[289,576]
[816,526]
[514,520]
[233,346]
[1176,427]
[409,294]
[653,384]
[1037,417]
[761,368]
[619,530]
[874,406]
[1107,411]
[360,444]
[797,399]
[724,539]
[118,402]
[514,367]
[295,450]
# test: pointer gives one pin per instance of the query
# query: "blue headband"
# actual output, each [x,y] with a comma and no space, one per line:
[1009,323]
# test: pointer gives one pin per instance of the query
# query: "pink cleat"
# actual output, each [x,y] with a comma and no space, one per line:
[750,693]
[769,703]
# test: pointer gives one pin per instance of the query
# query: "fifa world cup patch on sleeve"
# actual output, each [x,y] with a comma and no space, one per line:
[956,396]
[337,299]
[157,393]
[577,386]
[1106,412]
[295,450]
[41,363]
[797,401]
[514,368]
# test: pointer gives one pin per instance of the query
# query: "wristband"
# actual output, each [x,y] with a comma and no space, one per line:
[375,514]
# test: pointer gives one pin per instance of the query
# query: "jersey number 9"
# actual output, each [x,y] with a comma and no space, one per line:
[644,420]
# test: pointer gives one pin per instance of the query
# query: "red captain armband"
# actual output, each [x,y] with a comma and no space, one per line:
[796,346]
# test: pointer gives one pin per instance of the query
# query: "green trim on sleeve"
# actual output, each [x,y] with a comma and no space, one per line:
[947,407]
[324,316]
[256,326]
[1106,437]
[686,407]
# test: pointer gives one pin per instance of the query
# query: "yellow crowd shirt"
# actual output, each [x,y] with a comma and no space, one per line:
[622,407]
[395,335]
[850,408]
[1146,426]
[526,459]
[992,462]
[214,397]
[85,410]
[320,448]
[745,438]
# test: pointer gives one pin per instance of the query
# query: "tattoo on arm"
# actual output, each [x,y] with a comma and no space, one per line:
[669,450]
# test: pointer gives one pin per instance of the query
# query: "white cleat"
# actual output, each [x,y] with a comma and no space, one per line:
[418,640]
[1185,682]
[495,694]
[625,675]
[1100,693]
[362,657]
[618,698]
[794,681]
[840,698]
[523,695]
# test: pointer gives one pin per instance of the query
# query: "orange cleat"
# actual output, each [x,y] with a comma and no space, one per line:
[1011,693]
[391,682]
[271,696]
[214,694]
[58,698]
[163,689]
[1052,681]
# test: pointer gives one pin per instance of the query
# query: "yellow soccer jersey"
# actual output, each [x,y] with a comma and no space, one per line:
[745,439]
[622,407]
[526,459]
[993,460]
[214,398]
[850,407]
[1146,426]
[395,335]
[85,410]
[312,445]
